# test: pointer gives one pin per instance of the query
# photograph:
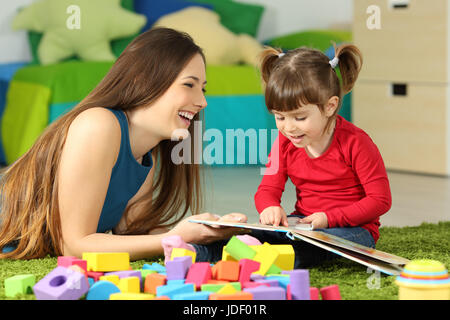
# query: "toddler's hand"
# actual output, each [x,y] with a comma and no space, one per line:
[274,215]
[318,220]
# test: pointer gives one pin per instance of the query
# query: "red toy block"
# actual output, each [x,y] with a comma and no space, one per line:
[152,281]
[246,268]
[240,295]
[331,293]
[314,293]
[226,270]
[94,275]
[198,274]
[67,261]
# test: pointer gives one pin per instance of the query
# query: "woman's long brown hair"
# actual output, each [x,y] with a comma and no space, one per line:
[29,187]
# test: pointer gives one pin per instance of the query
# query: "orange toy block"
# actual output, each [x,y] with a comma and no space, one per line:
[240,295]
[152,281]
[226,270]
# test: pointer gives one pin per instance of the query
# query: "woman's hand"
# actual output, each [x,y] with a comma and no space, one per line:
[192,232]
[274,216]
[318,220]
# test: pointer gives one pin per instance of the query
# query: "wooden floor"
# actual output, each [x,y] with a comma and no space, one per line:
[415,198]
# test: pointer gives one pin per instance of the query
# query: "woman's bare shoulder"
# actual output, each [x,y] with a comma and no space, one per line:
[95,130]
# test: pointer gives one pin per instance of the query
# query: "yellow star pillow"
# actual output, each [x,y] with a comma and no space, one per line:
[221,46]
[83,28]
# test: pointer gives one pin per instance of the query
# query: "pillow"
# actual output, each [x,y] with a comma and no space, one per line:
[220,45]
[237,17]
[317,39]
[154,9]
[92,41]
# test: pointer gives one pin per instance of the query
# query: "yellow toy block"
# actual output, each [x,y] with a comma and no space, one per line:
[107,261]
[286,257]
[226,256]
[130,285]
[180,252]
[266,256]
[111,278]
[227,289]
[131,296]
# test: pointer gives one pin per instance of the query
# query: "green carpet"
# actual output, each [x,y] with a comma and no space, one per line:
[427,241]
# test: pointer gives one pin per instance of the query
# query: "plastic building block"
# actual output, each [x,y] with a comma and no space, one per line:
[107,261]
[249,240]
[314,293]
[170,291]
[241,295]
[177,268]
[171,242]
[154,266]
[131,296]
[246,268]
[94,275]
[283,281]
[266,255]
[330,293]
[198,274]
[20,284]
[152,281]
[61,284]
[226,270]
[182,252]
[227,289]
[113,278]
[127,274]
[200,295]
[175,282]
[253,284]
[67,261]
[212,287]
[286,257]
[238,249]
[130,285]
[299,284]
[270,282]
[145,273]
[101,290]
[267,293]
[226,256]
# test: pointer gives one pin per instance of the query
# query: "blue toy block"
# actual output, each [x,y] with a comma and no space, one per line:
[154,266]
[175,282]
[200,295]
[282,281]
[61,284]
[177,268]
[101,290]
[172,290]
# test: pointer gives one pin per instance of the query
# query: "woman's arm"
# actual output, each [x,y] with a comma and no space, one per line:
[89,154]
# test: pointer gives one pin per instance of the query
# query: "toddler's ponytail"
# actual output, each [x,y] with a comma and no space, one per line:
[350,63]
[269,57]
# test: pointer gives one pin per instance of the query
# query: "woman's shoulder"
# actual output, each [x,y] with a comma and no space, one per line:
[95,127]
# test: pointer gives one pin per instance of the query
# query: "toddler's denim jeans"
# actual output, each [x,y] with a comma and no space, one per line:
[306,254]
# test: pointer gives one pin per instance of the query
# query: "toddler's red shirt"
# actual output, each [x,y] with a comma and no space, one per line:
[348,181]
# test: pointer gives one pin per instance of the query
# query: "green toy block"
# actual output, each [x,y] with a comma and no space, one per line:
[274,270]
[239,250]
[20,284]
[216,287]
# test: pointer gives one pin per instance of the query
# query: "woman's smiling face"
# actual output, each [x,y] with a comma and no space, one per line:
[182,101]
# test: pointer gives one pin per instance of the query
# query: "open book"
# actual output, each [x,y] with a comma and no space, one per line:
[372,258]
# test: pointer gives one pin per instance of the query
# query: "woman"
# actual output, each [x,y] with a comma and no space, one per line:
[107,163]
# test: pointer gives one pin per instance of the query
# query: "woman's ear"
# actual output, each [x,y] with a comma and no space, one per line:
[331,106]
